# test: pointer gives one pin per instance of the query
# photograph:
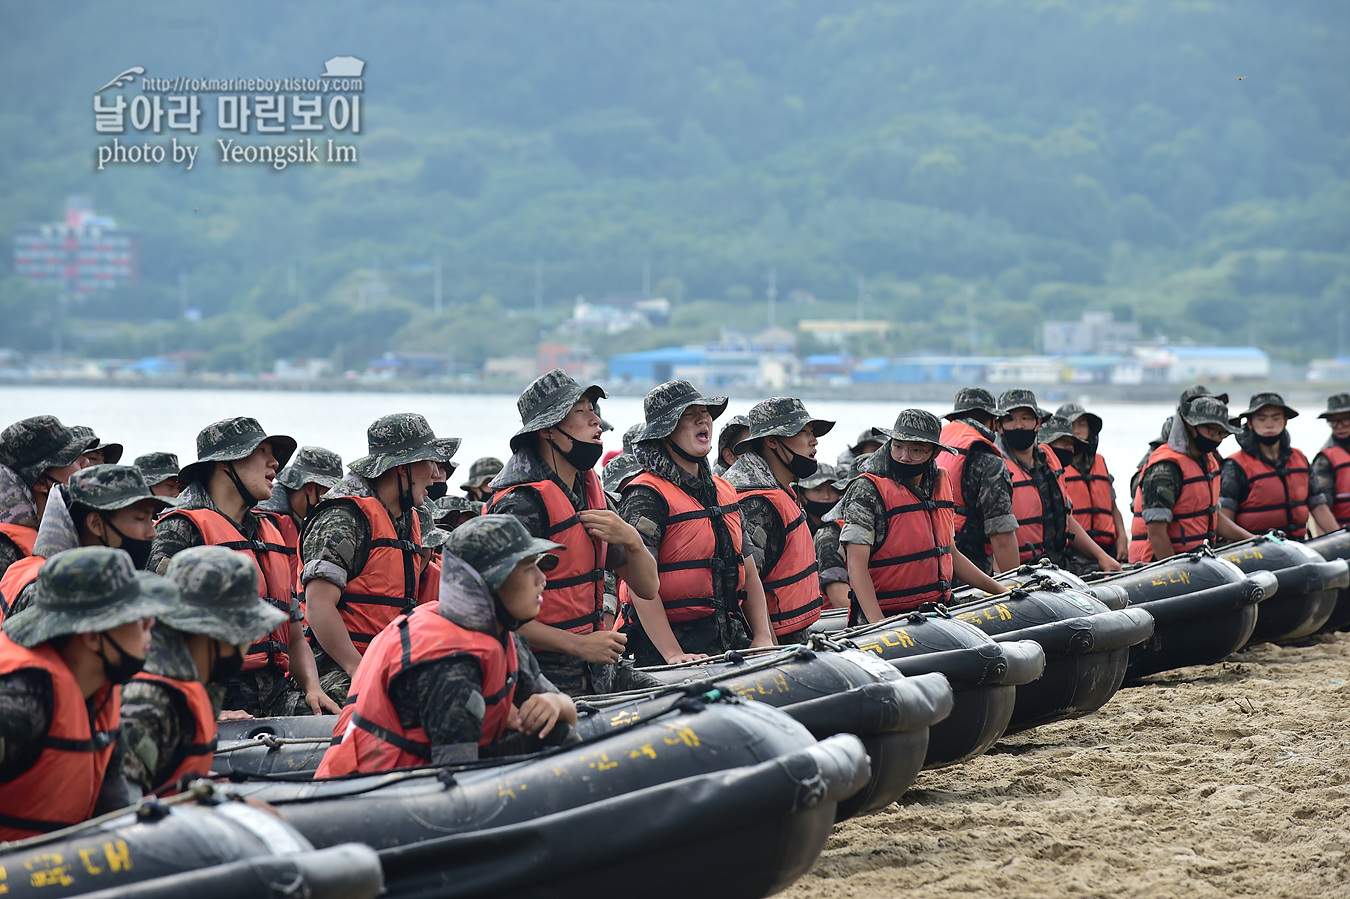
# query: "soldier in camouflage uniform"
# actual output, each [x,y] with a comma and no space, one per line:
[1328,467]
[104,505]
[1078,477]
[235,469]
[832,569]
[35,455]
[100,452]
[673,448]
[549,484]
[819,495]
[732,433]
[981,482]
[780,448]
[477,487]
[344,572]
[452,511]
[169,710]
[311,473]
[161,473]
[868,441]
[908,459]
[492,584]
[92,614]
[1187,395]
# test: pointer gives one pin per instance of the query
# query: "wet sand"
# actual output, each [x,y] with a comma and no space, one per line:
[1213,781]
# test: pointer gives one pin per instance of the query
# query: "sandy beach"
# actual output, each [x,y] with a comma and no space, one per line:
[1211,781]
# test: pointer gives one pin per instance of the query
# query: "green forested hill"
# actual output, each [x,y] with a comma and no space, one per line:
[1032,158]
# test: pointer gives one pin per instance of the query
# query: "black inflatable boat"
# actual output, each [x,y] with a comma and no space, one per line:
[829,689]
[1332,547]
[1309,585]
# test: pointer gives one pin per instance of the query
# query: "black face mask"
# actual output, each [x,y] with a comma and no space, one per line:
[226,668]
[124,670]
[800,466]
[1084,447]
[437,490]
[1204,444]
[582,456]
[1269,439]
[818,508]
[139,550]
[1019,438]
[1065,455]
[905,470]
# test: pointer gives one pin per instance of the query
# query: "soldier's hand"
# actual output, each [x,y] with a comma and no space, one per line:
[1109,564]
[686,657]
[539,713]
[602,647]
[320,703]
[764,640]
[233,715]
[609,527]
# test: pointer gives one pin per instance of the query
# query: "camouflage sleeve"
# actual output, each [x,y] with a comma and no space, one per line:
[864,514]
[530,680]
[611,595]
[1233,486]
[1322,482]
[9,553]
[115,792]
[25,715]
[1159,488]
[445,698]
[830,558]
[152,726]
[763,530]
[991,486]
[24,599]
[647,511]
[173,534]
[527,505]
[335,546]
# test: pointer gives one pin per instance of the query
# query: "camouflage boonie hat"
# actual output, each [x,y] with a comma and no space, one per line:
[1208,410]
[112,452]
[157,467]
[630,435]
[312,465]
[111,487]
[548,400]
[230,440]
[846,476]
[33,445]
[729,435]
[619,471]
[218,596]
[1199,390]
[781,416]
[494,544]
[401,439]
[435,538]
[825,474]
[1019,398]
[483,470]
[1337,404]
[973,399]
[88,590]
[663,407]
[1073,412]
[446,506]
[868,435]
[1055,427]
[918,426]
[1268,398]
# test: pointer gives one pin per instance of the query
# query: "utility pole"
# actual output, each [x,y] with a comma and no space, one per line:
[436,284]
[539,288]
[772,294]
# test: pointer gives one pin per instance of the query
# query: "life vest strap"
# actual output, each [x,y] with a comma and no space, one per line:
[939,585]
[931,553]
[592,619]
[585,578]
[799,612]
[706,512]
[366,599]
[792,578]
[927,505]
[33,824]
[406,545]
[271,647]
[412,747]
[101,740]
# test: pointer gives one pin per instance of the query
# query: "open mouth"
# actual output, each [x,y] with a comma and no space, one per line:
[703,435]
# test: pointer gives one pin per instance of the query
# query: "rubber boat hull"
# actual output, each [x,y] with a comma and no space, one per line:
[225,851]
[1203,607]
[1086,645]
[827,690]
[1309,586]
[984,676]
[659,803]
[272,746]
[1331,547]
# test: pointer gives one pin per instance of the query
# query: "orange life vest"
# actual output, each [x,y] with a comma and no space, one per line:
[429,584]
[270,554]
[1339,457]
[1028,510]
[1090,496]
[792,593]
[17,576]
[387,586]
[369,736]
[192,758]
[913,565]
[965,439]
[574,599]
[1193,515]
[62,786]
[290,536]
[685,562]
[1276,498]
[22,537]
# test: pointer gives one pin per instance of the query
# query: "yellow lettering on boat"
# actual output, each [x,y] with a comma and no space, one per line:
[897,638]
[683,735]
[49,870]
[645,749]
[625,717]
[119,856]
[89,864]
[1163,578]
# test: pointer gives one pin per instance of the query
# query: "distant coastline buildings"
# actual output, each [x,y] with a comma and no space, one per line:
[83,254]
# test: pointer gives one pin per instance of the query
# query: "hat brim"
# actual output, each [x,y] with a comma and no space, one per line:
[892,435]
[437,449]
[557,411]
[155,596]
[1225,424]
[819,427]
[283,447]
[1331,413]
[545,549]
[1094,421]
[957,413]
[1289,411]
[162,501]
[112,452]
[669,421]
[237,626]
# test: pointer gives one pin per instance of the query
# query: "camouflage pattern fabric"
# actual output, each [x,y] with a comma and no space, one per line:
[1337,404]
[111,487]
[764,533]
[401,439]
[1073,412]
[829,555]
[864,512]
[1054,507]
[548,400]
[230,439]
[111,453]
[494,544]
[973,399]
[1055,427]
[157,467]
[630,435]
[33,445]
[1019,398]
[483,470]
[781,416]
[311,465]
[620,471]
[335,544]
[664,405]
[917,426]
[1208,410]
[218,596]
[866,436]
[267,693]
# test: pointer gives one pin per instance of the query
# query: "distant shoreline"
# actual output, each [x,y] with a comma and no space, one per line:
[1299,392]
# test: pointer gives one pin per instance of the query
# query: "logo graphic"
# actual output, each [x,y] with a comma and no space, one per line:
[125,78]
[344,67]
